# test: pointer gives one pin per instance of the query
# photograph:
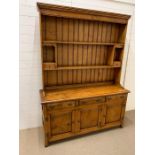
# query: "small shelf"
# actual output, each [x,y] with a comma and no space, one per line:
[50,43]
[51,66]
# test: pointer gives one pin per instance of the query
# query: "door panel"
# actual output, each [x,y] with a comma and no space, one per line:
[90,117]
[61,122]
[114,107]
[113,113]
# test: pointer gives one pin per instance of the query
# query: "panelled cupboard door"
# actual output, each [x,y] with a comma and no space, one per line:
[90,118]
[115,107]
[61,124]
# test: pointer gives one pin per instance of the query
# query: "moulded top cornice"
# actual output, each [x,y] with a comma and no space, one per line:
[72,12]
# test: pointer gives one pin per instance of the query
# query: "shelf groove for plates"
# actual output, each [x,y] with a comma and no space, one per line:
[50,43]
[49,66]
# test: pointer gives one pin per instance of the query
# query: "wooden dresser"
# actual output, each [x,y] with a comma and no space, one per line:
[82,52]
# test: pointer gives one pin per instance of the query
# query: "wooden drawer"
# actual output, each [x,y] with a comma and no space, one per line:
[60,105]
[96,100]
[121,98]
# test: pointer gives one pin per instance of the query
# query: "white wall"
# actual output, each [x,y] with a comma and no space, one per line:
[30,60]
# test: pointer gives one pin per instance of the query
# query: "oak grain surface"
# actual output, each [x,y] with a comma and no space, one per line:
[82,52]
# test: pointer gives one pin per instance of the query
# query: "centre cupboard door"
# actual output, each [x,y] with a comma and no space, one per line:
[90,115]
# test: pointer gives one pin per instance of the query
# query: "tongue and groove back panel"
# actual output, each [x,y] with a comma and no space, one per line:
[82,45]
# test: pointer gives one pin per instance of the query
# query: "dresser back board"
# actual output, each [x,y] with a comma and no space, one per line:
[80,47]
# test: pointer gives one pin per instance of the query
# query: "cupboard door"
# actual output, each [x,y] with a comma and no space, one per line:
[115,107]
[61,123]
[90,118]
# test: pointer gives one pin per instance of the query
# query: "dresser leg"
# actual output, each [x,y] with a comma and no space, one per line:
[121,126]
[46,140]
[46,144]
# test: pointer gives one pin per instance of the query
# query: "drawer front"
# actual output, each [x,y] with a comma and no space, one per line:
[61,105]
[121,98]
[96,100]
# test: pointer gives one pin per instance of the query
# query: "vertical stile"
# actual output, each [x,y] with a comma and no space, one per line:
[60,78]
[89,55]
[65,76]
[52,78]
[110,74]
[92,75]
[70,39]
[100,72]
[116,33]
[113,28]
[96,48]
[60,55]
[79,76]
[98,54]
[84,76]
[96,75]
[104,74]
[59,29]
[108,34]
[85,39]
[70,77]
[104,55]
[95,40]
[74,76]
[76,32]
[65,38]
[84,63]
[80,47]
[50,28]
[91,27]
[104,32]
[59,37]
[99,37]
[91,30]
[75,55]
[65,29]
[97,62]
[99,34]
[80,55]
[101,56]
[65,55]
[45,78]
[93,55]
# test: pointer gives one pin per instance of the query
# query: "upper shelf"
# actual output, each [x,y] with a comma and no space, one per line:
[50,43]
[53,66]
